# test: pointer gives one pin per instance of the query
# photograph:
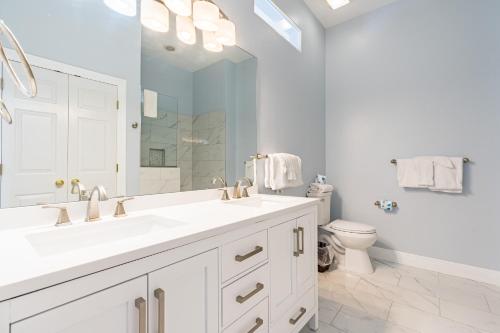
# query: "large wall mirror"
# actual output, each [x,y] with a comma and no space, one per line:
[122,104]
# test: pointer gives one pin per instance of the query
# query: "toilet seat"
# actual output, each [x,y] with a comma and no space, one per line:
[351,227]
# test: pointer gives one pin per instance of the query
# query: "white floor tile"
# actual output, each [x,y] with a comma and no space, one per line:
[323,328]
[420,301]
[352,320]
[493,303]
[425,322]
[421,286]
[479,319]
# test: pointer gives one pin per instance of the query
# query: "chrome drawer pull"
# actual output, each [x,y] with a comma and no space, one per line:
[242,299]
[240,258]
[140,304]
[297,243]
[294,321]
[160,296]
[258,323]
[301,231]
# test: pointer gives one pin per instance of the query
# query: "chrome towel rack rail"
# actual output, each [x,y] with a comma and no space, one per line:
[466,160]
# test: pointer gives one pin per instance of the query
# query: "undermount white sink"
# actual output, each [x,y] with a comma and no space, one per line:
[64,239]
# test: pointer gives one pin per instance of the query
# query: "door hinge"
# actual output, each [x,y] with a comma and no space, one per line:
[118,105]
[1,83]
[1,169]
[117,167]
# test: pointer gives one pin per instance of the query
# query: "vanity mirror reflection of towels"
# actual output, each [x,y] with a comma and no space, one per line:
[435,173]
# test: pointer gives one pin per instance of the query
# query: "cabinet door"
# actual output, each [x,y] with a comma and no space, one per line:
[183,297]
[110,311]
[283,267]
[306,261]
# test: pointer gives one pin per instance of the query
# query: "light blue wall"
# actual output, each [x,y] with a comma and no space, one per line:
[418,77]
[290,88]
[89,35]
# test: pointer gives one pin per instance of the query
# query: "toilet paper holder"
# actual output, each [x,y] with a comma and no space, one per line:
[378,204]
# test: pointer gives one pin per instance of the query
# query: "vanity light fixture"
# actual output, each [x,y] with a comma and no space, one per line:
[124,7]
[155,15]
[335,4]
[180,7]
[226,34]
[185,29]
[206,15]
[210,43]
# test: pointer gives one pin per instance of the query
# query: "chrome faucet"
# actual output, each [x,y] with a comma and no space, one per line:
[93,213]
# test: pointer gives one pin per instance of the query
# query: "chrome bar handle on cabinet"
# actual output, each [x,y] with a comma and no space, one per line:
[258,323]
[160,296]
[301,248]
[240,258]
[294,321]
[242,299]
[297,243]
[140,304]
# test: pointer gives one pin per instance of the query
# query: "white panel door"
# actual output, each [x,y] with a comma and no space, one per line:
[190,299]
[110,311]
[283,266]
[34,146]
[306,261]
[92,148]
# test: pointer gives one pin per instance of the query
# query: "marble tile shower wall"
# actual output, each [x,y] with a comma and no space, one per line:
[185,151]
[209,148]
[159,140]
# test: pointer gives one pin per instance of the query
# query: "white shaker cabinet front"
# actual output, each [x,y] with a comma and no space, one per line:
[292,255]
[184,297]
[120,309]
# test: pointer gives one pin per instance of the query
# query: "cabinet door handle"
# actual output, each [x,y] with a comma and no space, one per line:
[160,296]
[294,321]
[301,232]
[140,303]
[240,258]
[242,299]
[297,243]
[258,323]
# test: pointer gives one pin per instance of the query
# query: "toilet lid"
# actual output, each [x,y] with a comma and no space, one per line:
[348,226]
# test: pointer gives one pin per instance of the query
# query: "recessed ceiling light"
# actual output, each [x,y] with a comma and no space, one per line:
[335,4]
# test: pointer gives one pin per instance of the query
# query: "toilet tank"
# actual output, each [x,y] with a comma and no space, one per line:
[324,206]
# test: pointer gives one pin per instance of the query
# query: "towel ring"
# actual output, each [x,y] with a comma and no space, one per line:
[4,29]
[4,112]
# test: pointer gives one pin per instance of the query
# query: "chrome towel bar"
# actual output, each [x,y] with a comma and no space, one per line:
[466,160]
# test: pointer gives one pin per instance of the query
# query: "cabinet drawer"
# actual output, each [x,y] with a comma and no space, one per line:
[298,315]
[244,294]
[243,254]
[254,321]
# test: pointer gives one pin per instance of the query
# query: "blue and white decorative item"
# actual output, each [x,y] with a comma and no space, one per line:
[320,179]
[387,205]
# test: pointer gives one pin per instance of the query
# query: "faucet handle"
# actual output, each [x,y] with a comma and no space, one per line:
[244,193]
[63,218]
[120,208]
[225,195]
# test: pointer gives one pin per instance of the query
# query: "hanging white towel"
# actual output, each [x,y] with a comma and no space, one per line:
[448,174]
[283,171]
[415,172]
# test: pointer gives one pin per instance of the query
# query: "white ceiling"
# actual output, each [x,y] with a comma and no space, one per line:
[329,17]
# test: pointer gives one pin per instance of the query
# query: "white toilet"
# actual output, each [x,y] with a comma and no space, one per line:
[354,237]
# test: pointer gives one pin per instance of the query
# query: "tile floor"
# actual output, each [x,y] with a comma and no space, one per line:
[404,299]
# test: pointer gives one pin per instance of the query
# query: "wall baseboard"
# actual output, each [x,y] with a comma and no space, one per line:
[437,265]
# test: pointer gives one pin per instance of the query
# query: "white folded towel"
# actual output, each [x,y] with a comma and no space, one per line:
[320,188]
[448,174]
[415,172]
[282,171]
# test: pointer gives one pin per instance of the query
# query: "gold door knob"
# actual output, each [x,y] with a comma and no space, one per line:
[59,183]
[75,181]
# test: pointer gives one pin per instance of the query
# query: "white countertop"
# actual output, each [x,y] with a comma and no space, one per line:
[24,269]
